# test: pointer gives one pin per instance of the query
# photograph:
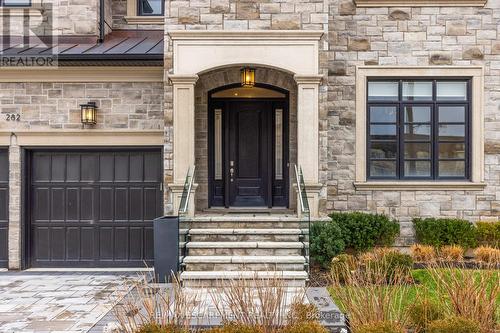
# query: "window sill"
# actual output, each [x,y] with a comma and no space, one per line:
[418,186]
[159,20]
[19,11]
[420,3]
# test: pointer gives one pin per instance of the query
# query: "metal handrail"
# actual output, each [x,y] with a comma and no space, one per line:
[186,193]
[305,210]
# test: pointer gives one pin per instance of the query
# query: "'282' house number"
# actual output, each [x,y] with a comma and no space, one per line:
[13,117]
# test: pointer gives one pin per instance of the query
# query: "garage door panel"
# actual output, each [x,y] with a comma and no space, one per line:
[72,204]
[106,243]
[73,243]
[121,167]
[57,204]
[42,243]
[148,239]
[4,205]
[73,168]
[150,203]
[87,243]
[136,204]
[121,242]
[136,243]
[106,204]
[58,169]
[87,203]
[89,163]
[121,204]
[93,208]
[41,204]
[136,168]
[57,243]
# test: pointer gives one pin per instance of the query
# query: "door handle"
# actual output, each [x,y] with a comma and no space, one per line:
[231,173]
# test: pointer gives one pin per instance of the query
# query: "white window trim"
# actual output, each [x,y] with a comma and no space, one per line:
[476,73]
[420,3]
[134,18]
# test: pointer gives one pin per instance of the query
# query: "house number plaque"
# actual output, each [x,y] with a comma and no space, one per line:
[13,117]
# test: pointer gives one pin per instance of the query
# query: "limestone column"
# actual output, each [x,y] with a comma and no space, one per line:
[184,136]
[14,204]
[308,136]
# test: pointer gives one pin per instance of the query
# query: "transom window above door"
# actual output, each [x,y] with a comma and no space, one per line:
[418,129]
[15,3]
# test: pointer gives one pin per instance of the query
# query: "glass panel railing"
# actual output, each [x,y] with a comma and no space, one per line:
[183,214]
[305,213]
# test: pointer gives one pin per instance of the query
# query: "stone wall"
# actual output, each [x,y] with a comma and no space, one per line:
[44,106]
[419,36]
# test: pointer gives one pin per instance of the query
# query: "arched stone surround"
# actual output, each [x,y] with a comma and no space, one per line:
[222,77]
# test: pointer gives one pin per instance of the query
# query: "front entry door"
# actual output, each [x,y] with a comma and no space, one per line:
[249,148]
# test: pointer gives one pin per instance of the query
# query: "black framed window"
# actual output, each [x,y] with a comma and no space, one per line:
[418,129]
[15,3]
[150,7]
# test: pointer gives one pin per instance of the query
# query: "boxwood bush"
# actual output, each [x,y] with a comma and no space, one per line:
[441,232]
[326,242]
[362,231]
[488,233]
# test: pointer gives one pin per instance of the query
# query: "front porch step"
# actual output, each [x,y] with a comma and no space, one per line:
[243,235]
[245,263]
[244,248]
[218,278]
[244,221]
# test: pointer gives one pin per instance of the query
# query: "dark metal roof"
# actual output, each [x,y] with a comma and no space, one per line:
[137,46]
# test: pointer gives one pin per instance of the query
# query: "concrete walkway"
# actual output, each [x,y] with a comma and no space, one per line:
[33,301]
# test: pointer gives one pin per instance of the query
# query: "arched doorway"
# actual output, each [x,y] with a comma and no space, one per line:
[248,146]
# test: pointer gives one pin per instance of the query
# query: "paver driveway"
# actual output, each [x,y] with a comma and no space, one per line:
[55,301]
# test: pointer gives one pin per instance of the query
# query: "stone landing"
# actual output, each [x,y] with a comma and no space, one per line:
[235,246]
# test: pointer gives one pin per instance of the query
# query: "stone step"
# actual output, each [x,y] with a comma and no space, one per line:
[216,278]
[244,263]
[244,248]
[238,235]
[244,221]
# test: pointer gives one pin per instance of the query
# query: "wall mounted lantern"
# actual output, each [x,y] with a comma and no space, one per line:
[248,77]
[89,113]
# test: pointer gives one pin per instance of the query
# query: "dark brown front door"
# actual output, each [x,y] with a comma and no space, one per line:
[249,148]
[4,207]
[248,152]
[94,208]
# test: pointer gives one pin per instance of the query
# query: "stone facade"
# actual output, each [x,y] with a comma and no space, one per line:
[46,106]
[419,36]
[56,106]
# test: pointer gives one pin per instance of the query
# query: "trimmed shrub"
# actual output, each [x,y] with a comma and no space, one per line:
[454,325]
[382,327]
[326,242]
[441,232]
[488,255]
[362,231]
[306,327]
[488,233]
[451,253]
[423,253]
[423,313]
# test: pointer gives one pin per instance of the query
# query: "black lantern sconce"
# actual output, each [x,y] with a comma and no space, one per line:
[248,77]
[89,113]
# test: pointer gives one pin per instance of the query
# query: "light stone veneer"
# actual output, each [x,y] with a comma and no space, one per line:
[56,107]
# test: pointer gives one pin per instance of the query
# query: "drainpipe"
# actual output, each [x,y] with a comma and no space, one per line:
[101,21]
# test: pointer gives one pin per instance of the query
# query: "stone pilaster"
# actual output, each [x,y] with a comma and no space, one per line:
[14,204]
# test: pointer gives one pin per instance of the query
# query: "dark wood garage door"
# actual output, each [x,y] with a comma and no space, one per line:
[94,208]
[4,207]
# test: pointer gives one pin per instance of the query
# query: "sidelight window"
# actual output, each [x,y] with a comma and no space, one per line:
[418,129]
[150,7]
